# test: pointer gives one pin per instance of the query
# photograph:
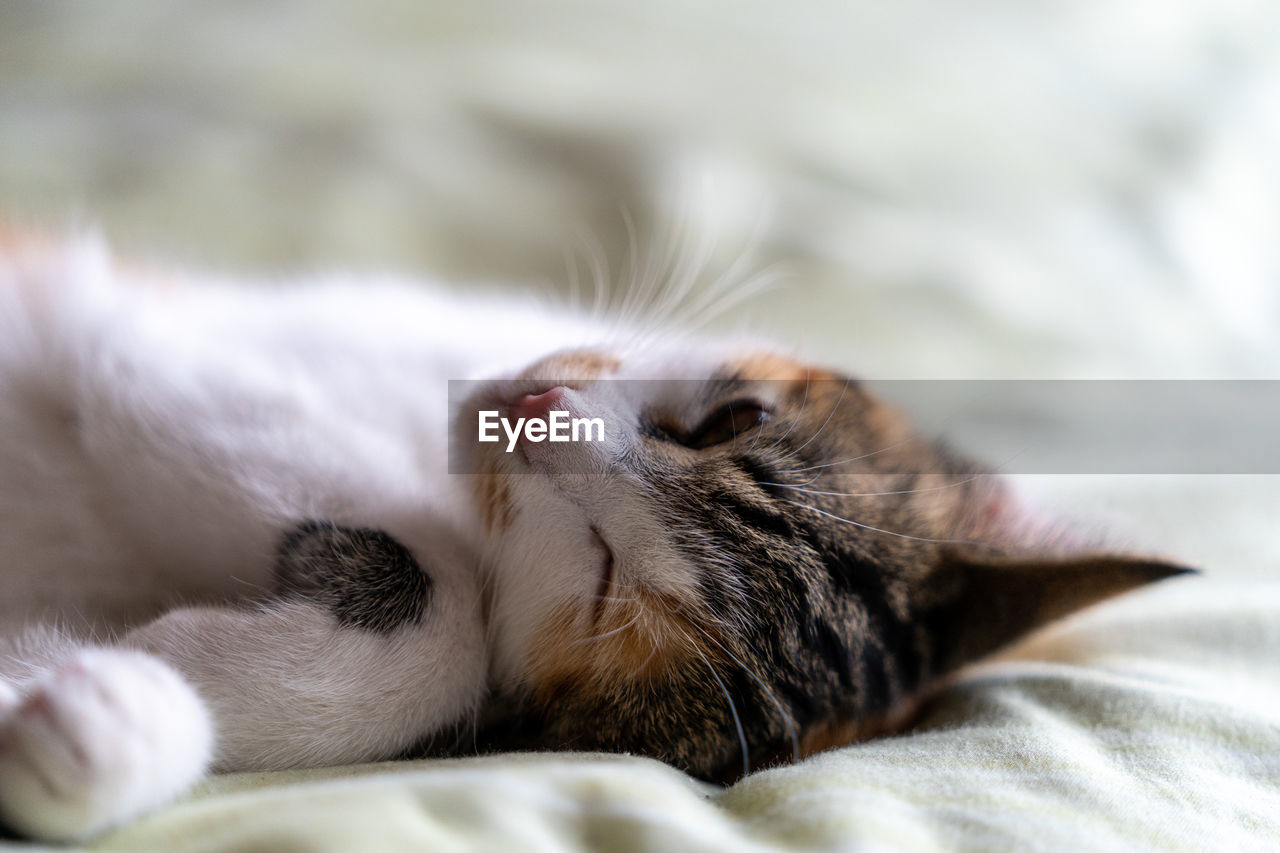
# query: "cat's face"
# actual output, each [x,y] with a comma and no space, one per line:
[759,561]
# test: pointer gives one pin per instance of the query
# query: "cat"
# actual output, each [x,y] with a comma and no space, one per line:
[250,526]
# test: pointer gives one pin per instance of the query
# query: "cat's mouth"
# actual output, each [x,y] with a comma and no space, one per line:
[605,583]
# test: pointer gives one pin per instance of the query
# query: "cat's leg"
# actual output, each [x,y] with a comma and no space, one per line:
[93,736]
[364,655]
[105,734]
[290,685]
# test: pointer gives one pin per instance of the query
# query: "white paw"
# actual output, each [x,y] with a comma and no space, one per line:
[104,737]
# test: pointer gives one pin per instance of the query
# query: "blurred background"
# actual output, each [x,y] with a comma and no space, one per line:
[976,188]
[954,188]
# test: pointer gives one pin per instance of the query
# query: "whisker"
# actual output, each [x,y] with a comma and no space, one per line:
[598,264]
[684,262]
[489,592]
[714,303]
[571,268]
[834,408]
[852,458]
[786,715]
[733,709]
[642,666]
[800,488]
[609,633]
[723,293]
[651,273]
[882,530]
[804,401]
[699,254]
[650,282]
[657,278]
[631,301]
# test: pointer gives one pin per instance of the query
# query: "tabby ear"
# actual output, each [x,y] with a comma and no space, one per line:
[974,602]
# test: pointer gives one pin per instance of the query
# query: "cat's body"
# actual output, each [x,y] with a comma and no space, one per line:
[235,504]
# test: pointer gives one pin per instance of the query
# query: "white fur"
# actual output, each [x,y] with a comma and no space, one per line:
[96,740]
[156,435]
[159,432]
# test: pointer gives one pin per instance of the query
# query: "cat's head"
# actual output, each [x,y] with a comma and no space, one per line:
[760,560]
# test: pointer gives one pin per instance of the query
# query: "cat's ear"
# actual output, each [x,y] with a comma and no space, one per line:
[974,602]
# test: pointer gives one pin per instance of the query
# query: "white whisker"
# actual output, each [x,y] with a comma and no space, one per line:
[852,458]
[609,633]
[598,264]
[832,414]
[575,285]
[786,716]
[614,598]
[882,530]
[804,401]
[715,304]
[733,709]
[642,666]
[877,494]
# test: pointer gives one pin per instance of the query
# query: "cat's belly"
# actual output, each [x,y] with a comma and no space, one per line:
[156,453]
[123,504]
[159,435]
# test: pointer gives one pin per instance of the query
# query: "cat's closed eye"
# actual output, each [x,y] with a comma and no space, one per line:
[726,423]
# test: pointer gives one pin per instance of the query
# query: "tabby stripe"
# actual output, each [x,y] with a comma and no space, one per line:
[837,656]
[875,670]
[761,474]
[754,515]
[862,577]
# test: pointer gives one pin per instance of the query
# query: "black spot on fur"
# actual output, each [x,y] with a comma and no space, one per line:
[364,576]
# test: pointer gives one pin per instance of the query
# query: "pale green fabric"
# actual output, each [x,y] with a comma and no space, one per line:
[986,188]
[1152,722]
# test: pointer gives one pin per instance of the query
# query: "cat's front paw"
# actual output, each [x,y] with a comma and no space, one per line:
[104,737]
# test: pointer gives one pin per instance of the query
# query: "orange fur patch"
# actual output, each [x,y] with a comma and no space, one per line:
[493,494]
[637,639]
[773,367]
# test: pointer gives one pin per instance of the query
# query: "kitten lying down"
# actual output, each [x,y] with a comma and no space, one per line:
[244,528]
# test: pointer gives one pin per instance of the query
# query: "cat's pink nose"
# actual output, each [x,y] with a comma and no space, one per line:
[538,405]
